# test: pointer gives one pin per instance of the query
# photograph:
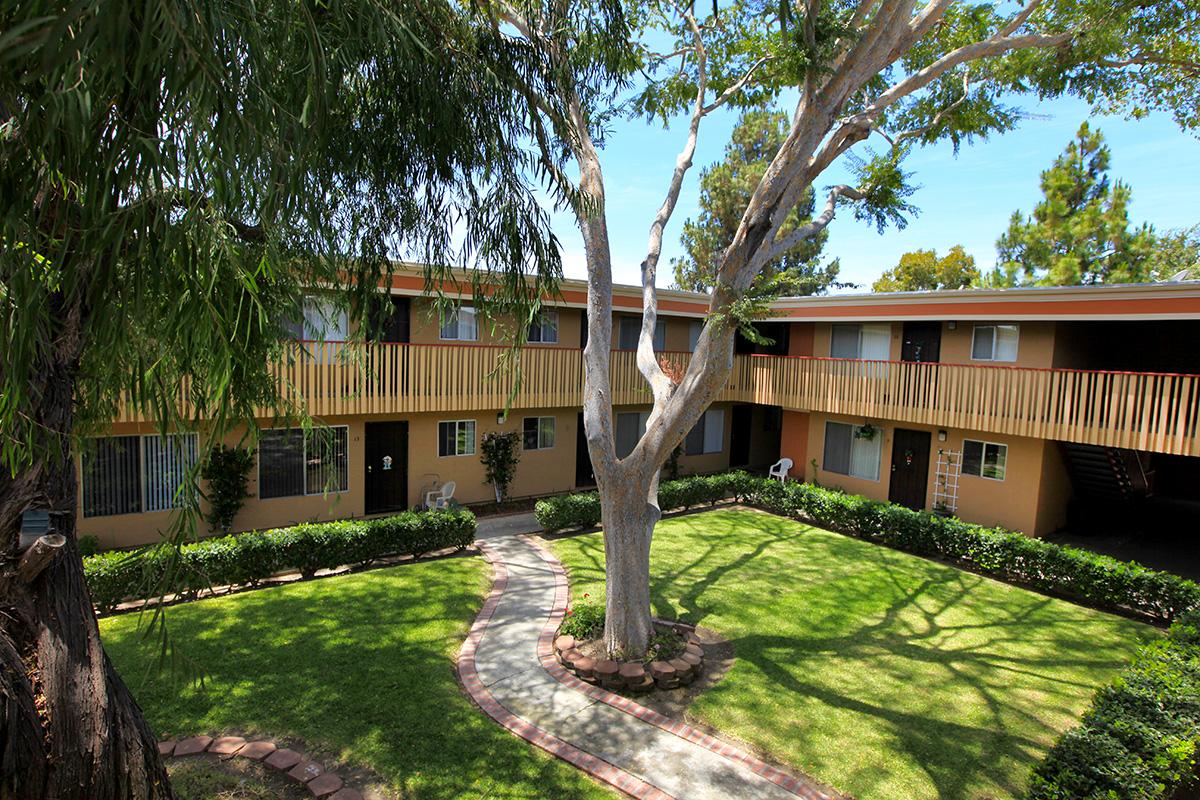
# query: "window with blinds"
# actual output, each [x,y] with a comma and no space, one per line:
[293,463]
[708,435]
[847,453]
[130,474]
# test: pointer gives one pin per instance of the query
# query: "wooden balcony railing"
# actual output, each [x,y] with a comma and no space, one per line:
[1142,411]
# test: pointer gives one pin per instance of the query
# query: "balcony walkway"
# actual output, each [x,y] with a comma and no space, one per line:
[1155,412]
[507,667]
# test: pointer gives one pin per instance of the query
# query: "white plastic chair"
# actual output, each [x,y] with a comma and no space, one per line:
[440,498]
[780,469]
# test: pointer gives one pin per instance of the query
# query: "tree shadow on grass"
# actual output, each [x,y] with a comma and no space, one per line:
[361,667]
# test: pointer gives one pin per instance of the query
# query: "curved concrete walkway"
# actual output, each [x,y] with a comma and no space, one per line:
[507,665]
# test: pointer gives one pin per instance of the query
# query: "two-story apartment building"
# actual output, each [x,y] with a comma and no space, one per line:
[998,406]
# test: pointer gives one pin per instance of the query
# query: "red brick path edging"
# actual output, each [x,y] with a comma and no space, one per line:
[312,774]
[596,767]
[796,785]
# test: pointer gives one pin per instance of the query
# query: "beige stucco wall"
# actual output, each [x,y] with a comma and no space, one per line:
[1035,344]
[1032,497]
[426,328]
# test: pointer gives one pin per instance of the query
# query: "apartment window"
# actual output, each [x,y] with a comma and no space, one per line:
[995,343]
[707,435]
[456,438]
[318,319]
[292,462]
[984,459]
[460,325]
[538,433]
[544,330]
[869,342]
[630,428]
[630,328]
[694,329]
[129,474]
[847,452]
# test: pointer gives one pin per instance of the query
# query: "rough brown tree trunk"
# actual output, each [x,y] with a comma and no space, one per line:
[69,727]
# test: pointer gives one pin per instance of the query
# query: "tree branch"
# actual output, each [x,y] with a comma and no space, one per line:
[813,226]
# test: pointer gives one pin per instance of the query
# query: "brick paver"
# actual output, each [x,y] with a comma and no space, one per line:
[320,782]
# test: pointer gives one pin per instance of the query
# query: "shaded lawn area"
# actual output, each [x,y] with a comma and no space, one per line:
[882,674]
[360,667]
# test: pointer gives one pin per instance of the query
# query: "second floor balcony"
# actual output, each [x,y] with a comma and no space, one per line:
[1157,412]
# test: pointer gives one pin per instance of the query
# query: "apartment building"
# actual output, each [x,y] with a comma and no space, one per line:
[1010,407]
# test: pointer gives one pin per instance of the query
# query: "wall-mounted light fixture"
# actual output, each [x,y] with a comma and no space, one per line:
[941,436]
[952,325]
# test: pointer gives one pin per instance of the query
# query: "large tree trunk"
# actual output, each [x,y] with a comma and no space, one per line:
[630,512]
[69,727]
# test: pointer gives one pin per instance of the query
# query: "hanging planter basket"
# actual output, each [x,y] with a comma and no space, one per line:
[867,431]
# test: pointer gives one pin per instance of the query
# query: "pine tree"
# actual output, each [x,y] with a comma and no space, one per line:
[1079,233]
[725,188]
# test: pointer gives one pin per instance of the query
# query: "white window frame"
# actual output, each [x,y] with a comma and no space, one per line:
[994,329]
[1001,447]
[877,441]
[456,423]
[546,327]
[143,494]
[304,466]
[454,318]
[541,440]
[882,331]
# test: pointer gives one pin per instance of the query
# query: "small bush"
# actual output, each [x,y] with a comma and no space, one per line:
[88,546]
[1139,740]
[582,510]
[227,471]
[584,619]
[248,558]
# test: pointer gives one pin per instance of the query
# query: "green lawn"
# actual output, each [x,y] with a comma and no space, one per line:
[360,666]
[885,675]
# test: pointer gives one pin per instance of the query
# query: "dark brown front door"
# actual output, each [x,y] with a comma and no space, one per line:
[584,476]
[741,429]
[922,341]
[391,323]
[910,468]
[386,455]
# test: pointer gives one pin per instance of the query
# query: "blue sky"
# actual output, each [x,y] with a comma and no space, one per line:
[964,199]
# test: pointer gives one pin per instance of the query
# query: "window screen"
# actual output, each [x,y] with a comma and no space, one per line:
[326,465]
[847,454]
[460,324]
[111,477]
[545,328]
[281,463]
[456,438]
[538,433]
[843,342]
[630,427]
[838,436]
[985,459]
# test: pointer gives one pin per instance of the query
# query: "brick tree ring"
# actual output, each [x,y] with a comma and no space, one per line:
[312,774]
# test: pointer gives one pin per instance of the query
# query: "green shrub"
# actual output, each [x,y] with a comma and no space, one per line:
[248,558]
[584,619]
[227,471]
[582,510]
[88,545]
[1140,738]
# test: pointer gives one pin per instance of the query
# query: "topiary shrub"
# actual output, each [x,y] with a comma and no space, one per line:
[227,472]
[500,453]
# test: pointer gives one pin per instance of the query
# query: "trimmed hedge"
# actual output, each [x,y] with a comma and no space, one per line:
[246,559]
[582,510]
[1081,575]
[1139,740]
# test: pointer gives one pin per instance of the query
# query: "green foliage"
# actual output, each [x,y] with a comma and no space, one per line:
[1176,254]
[885,187]
[248,558]
[1079,233]
[584,618]
[88,546]
[227,471]
[922,270]
[500,453]
[1141,738]
[582,509]
[725,189]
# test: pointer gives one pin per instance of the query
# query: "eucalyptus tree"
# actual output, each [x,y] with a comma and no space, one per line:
[172,176]
[900,73]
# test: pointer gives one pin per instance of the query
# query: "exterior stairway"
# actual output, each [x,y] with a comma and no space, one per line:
[1108,473]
